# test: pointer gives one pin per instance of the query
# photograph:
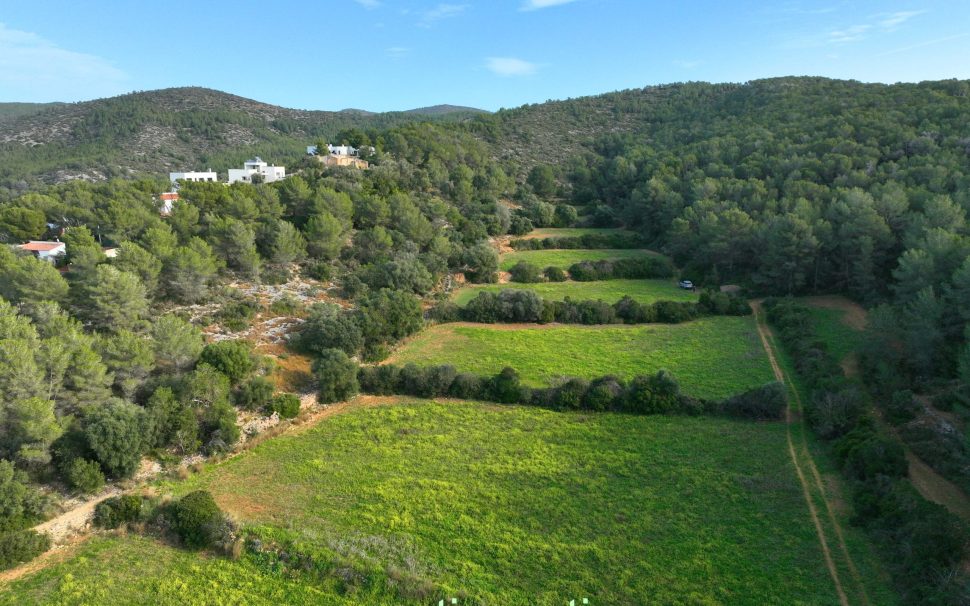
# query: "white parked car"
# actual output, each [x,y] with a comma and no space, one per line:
[687,285]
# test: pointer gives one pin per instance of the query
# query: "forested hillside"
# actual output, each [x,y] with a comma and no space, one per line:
[172,129]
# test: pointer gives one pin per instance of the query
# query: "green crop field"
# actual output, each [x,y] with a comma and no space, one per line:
[498,505]
[711,357]
[564,257]
[611,291]
[571,232]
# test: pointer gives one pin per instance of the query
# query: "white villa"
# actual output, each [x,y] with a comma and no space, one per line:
[194,176]
[256,166]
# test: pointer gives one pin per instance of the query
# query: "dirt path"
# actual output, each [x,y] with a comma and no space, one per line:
[73,521]
[805,458]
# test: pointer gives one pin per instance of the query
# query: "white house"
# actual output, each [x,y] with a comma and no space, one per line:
[194,176]
[46,251]
[167,201]
[335,150]
[256,166]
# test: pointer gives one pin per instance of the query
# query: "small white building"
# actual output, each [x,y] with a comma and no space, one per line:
[45,251]
[254,167]
[194,176]
[167,202]
[335,150]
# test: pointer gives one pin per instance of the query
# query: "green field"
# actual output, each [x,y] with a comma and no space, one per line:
[711,357]
[564,258]
[611,291]
[507,505]
[571,232]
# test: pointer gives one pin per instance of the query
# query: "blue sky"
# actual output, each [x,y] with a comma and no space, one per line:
[389,54]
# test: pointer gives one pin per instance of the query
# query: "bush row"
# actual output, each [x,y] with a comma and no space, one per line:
[647,394]
[510,305]
[589,271]
[922,542]
[609,240]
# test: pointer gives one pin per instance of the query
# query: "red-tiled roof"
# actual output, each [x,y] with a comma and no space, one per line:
[41,246]
[171,195]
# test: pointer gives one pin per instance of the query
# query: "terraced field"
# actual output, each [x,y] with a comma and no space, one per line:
[416,502]
[711,357]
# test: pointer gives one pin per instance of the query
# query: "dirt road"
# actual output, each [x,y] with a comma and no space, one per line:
[812,482]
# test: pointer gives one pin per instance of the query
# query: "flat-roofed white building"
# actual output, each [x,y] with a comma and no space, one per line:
[194,176]
[256,167]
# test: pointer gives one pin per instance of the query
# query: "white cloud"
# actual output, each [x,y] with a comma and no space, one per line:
[35,69]
[510,66]
[442,11]
[849,34]
[892,21]
[884,23]
[368,4]
[534,5]
[397,52]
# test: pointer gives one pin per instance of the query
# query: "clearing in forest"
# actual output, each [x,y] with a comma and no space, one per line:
[570,232]
[504,505]
[611,291]
[711,357]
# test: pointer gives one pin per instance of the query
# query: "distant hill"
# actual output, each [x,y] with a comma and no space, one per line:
[8,111]
[443,110]
[181,128]
[669,117]
[169,129]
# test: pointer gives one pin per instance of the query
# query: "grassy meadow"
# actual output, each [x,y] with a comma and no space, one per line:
[497,505]
[611,291]
[564,257]
[570,232]
[711,357]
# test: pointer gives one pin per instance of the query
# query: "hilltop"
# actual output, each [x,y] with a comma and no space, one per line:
[169,129]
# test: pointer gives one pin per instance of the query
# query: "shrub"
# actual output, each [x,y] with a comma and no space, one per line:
[287,305]
[876,455]
[657,394]
[506,387]
[604,393]
[555,274]
[902,407]
[445,311]
[84,476]
[286,405]
[570,395]
[113,512]
[220,428]
[380,380]
[17,547]
[318,270]
[232,358]
[466,386]
[254,394]
[237,315]
[196,519]
[834,413]
[336,376]
[762,403]
[524,271]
